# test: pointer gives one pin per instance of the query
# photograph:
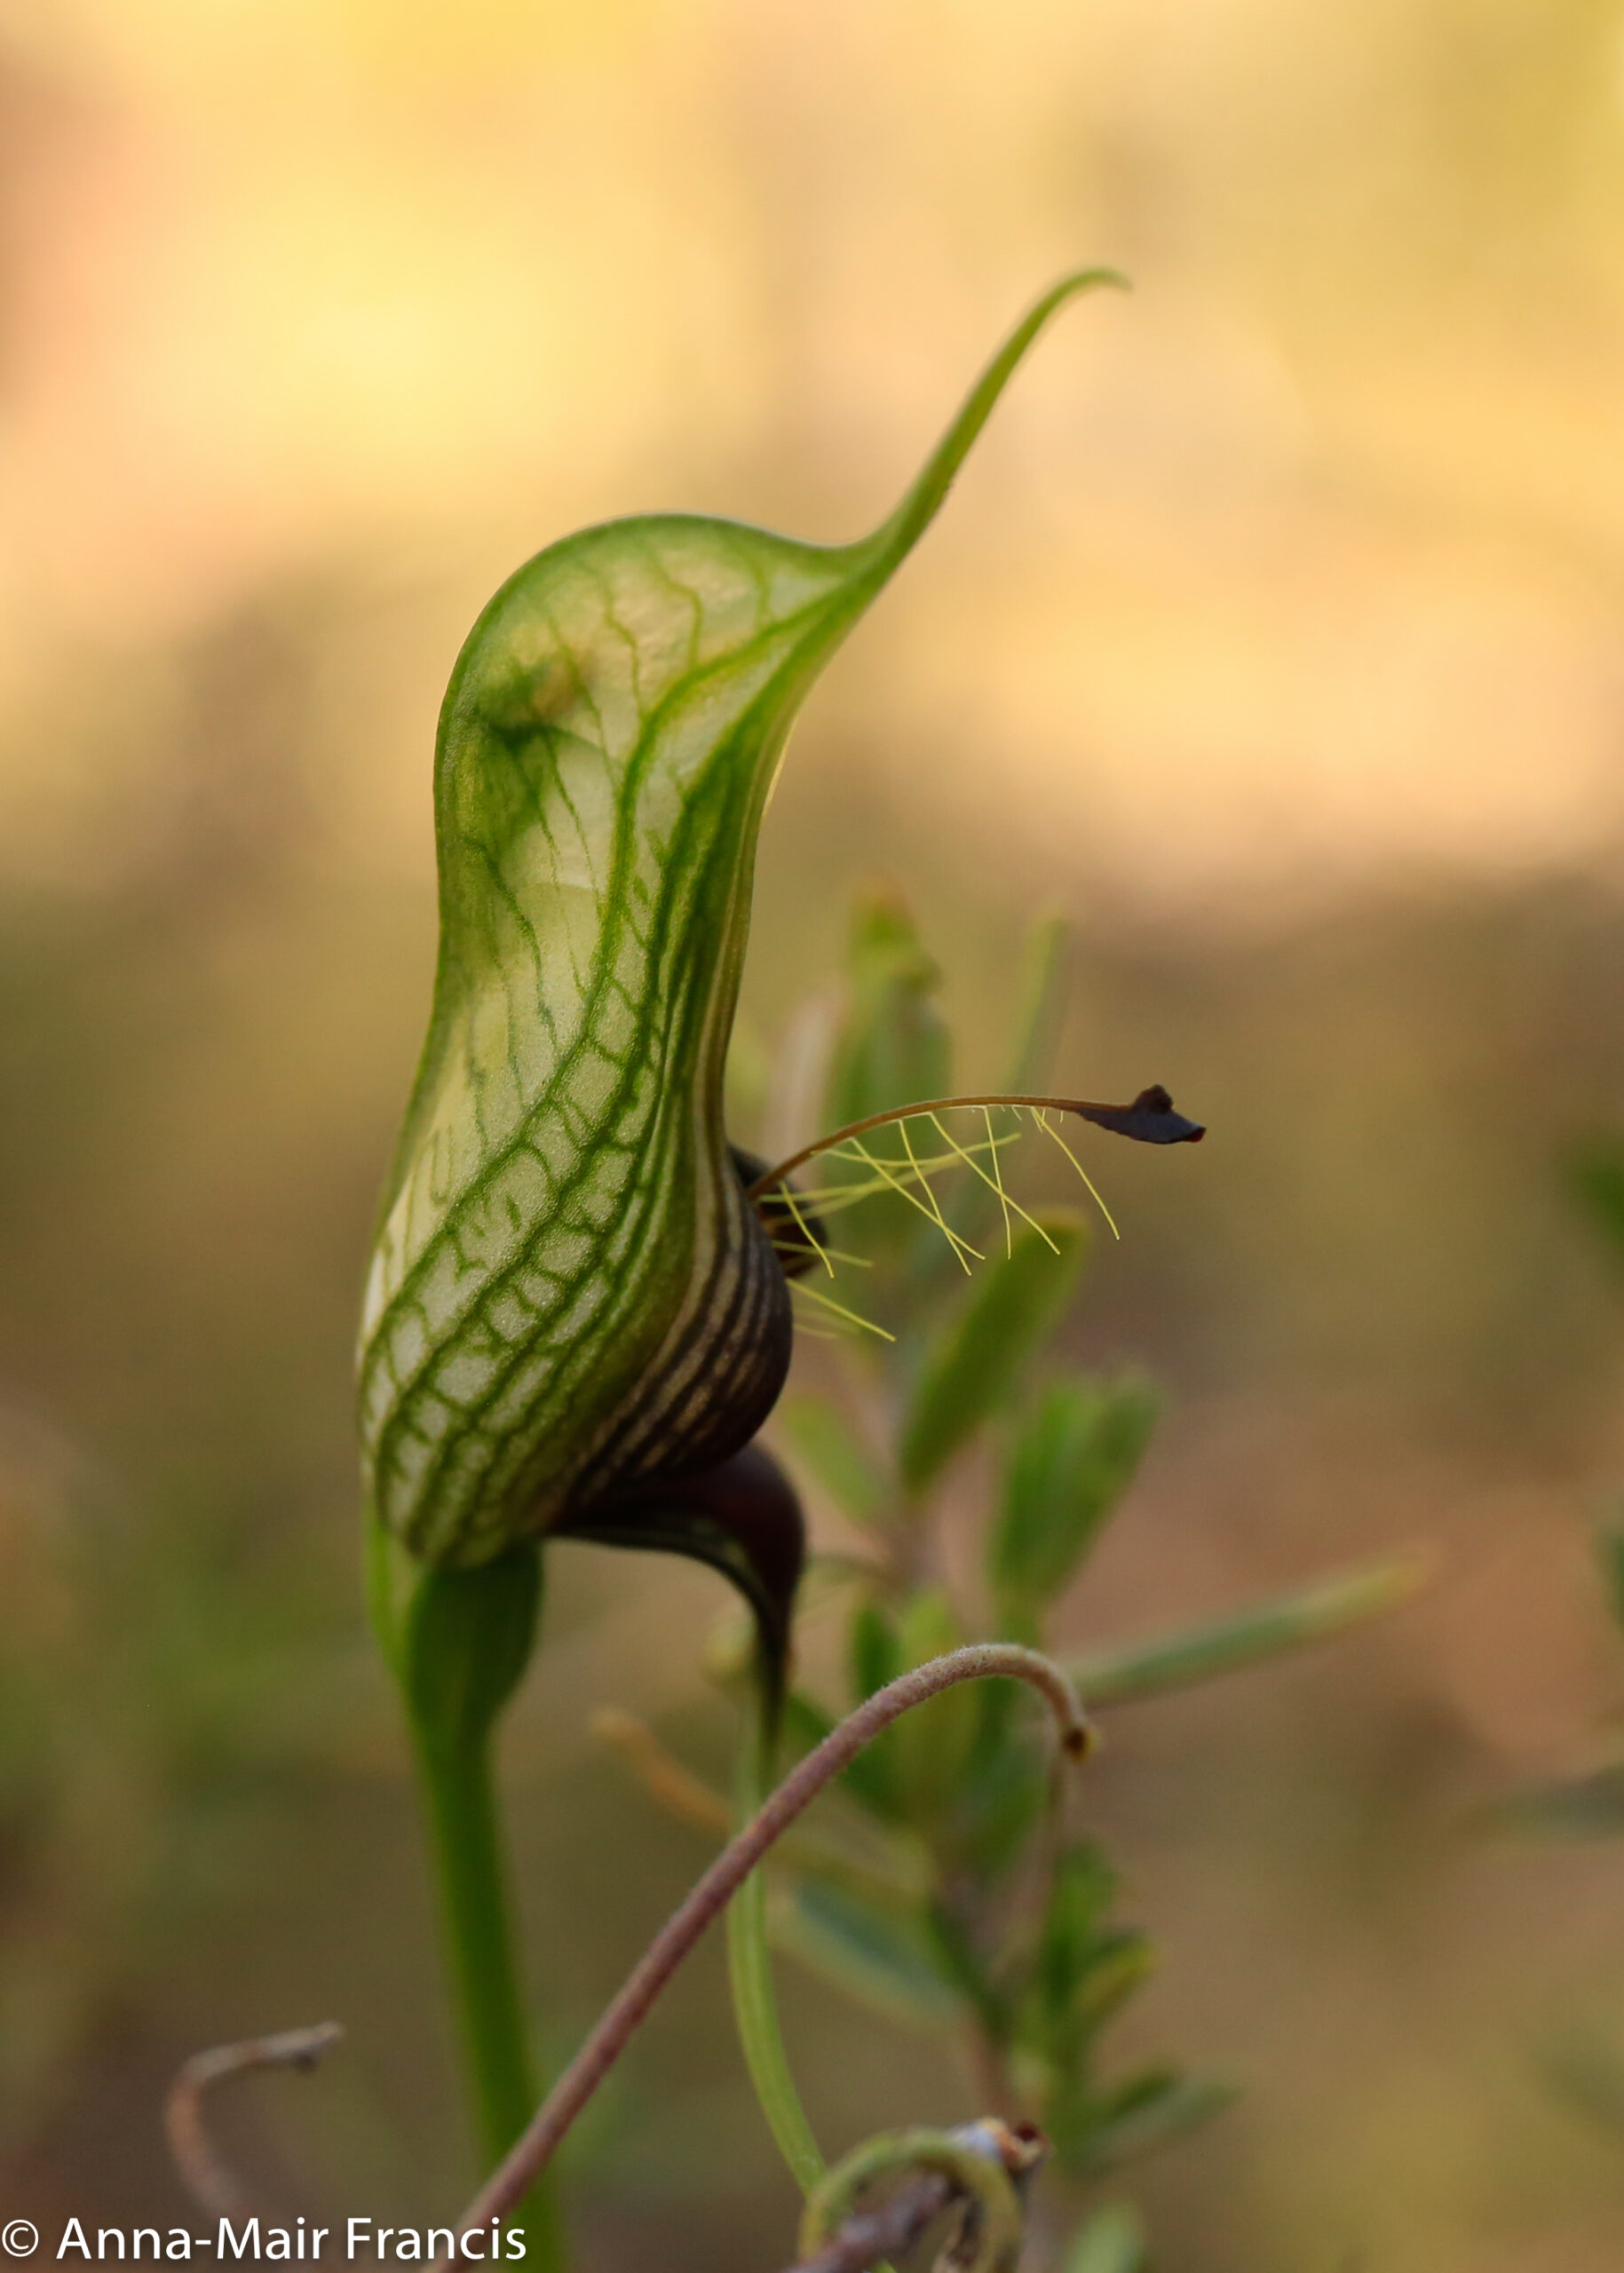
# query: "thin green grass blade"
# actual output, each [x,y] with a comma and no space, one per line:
[749,1972]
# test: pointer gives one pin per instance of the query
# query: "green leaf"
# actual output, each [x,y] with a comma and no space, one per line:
[806,1724]
[874,1657]
[1246,1637]
[884,1958]
[1610,1556]
[1569,1807]
[1111,2242]
[1084,1968]
[1040,1002]
[825,1443]
[1004,1787]
[974,1209]
[935,1740]
[1080,1900]
[1595,1179]
[1119,1963]
[891,1049]
[1014,1304]
[1147,2113]
[892,1046]
[1074,1457]
[962,1964]
[874,1649]
[570,1299]
[921,1771]
[1588,2077]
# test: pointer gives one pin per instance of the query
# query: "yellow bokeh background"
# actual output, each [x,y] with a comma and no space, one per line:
[1303,560]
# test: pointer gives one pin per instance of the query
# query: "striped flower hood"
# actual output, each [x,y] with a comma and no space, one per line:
[574,1320]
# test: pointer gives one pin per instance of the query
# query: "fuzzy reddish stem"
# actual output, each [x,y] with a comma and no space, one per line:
[509,2182]
[771,1178]
[203,2172]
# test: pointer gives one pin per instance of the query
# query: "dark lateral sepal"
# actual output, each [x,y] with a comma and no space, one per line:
[742,1518]
[1149,1119]
[795,1228]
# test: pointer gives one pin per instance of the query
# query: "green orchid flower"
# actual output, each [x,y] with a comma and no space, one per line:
[577,1315]
[575,1320]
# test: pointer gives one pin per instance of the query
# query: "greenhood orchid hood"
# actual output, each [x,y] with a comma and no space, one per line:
[575,1321]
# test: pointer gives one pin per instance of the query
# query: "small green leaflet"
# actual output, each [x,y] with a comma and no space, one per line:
[571,1298]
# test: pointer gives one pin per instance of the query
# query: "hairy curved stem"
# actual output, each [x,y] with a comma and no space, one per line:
[204,2173]
[989,2169]
[980,1661]
[871,2236]
[1149,1123]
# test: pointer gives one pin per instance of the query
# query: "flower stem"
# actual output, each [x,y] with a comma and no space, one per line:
[466,1639]
[750,1970]
[459,1803]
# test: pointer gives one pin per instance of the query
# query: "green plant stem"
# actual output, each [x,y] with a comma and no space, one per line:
[459,1642]
[460,1805]
[749,1972]
[461,1816]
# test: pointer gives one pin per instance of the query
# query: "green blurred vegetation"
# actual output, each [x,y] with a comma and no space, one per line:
[1376,1321]
[1284,661]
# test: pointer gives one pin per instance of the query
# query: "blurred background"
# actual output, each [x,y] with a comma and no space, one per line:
[1273,633]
